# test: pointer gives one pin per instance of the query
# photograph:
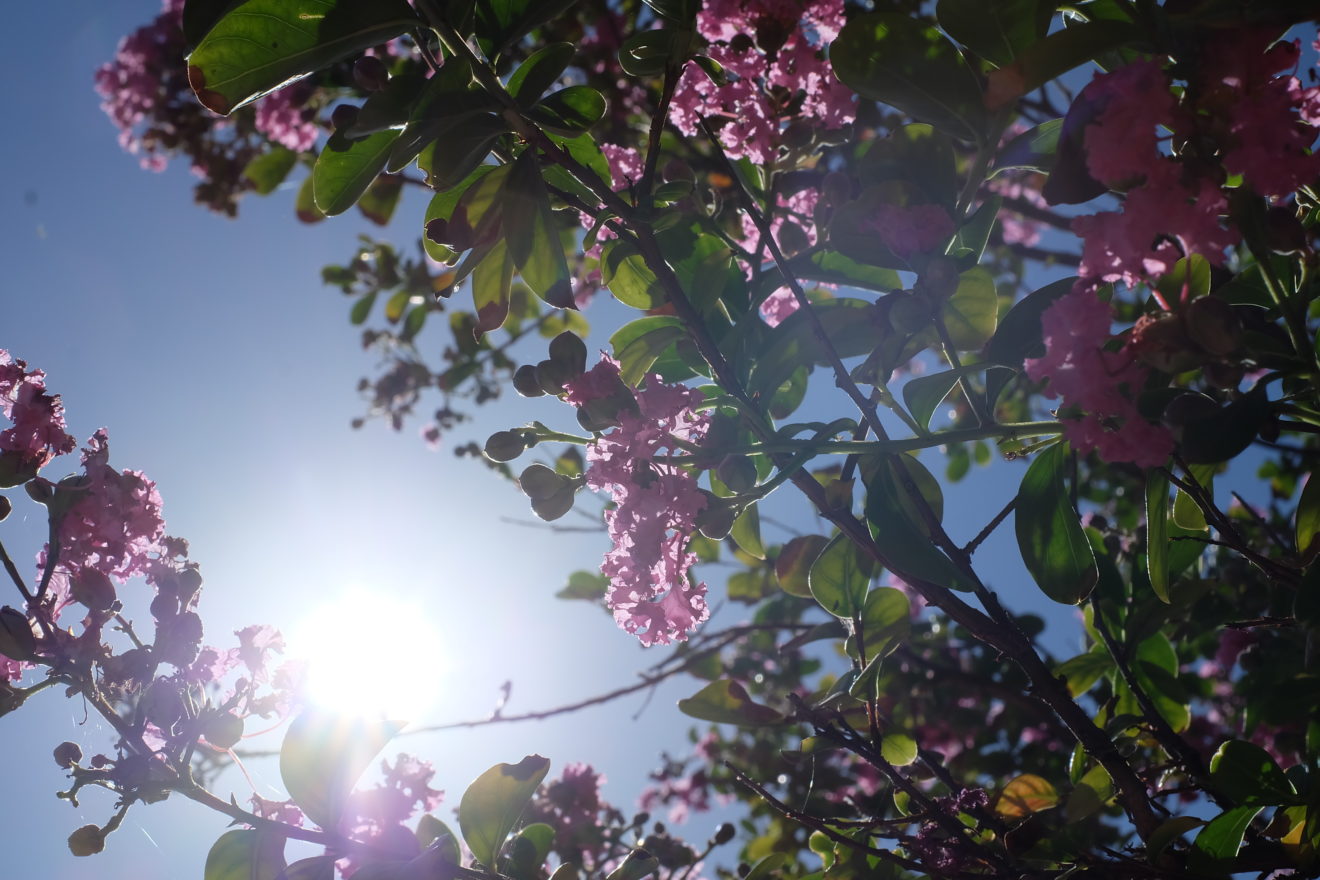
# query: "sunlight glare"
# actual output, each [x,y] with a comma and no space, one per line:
[370,654]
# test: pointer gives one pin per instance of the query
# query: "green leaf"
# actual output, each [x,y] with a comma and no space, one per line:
[391,107]
[638,344]
[322,757]
[539,72]
[973,235]
[1308,519]
[1049,531]
[852,325]
[970,315]
[501,23]
[1084,670]
[1070,47]
[345,169]
[199,16]
[464,146]
[625,273]
[1024,795]
[886,620]
[244,854]
[442,207]
[569,112]
[491,284]
[727,702]
[746,532]
[1019,335]
[913,67]
[636,865]
[833,267]
[305,205]
[647,53]
[494,802]
[362,308]
[898,749]
[1155,667]
[839,578]
[1221,839]
[1157,533]
[1247,774]
[268,170]
[431,830]
[261,45]
[996,31]
[528,850]
[589,585]
[924,394]
[1090,795]
[1033,150]
[312,868]
[903,541]
[795,561]
[381,198]
[1168,831]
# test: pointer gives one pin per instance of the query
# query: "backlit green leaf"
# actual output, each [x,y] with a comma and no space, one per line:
[346,168]
[727,702]
[494,802]
[1049,531]
[322,757]
[245,854]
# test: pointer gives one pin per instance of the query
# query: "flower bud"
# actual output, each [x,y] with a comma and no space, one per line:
[1160,341]
[39,490]
[557,504]
[505,445]
[569,350]
[1214,326]
[343,116]
[223,730]
[526,383]
[87,841]
[909,313]
[1284,233]
[92,588]
[940,279]
[1187,408]
[1223,374]
[67,754]
[16,639]
[723,834]
[716,518]
[370,73]
[792,238]
[5,507]
[737,472]
[538,482]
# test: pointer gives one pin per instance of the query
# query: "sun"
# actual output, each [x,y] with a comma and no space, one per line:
[370,653]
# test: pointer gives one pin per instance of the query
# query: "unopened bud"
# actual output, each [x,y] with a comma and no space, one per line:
[737,472]
[940,279]
[343,116]
[539,482]
[1222,374]
[5,507]
[793,238]
[1214,326]
[92,588]
[16,639]
[715,519]
[87,841]
[505,445]
[370,73]
[526,383]
[1161,342]
[1284,233]
[569,350]
[1187,408]
[723,834]
[223,730]
[909,313]
[67,754]
[39,490]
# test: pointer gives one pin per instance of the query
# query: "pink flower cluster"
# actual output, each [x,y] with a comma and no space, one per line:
[1101,383]
[280,116]
[37,434]
[572,803]
[406,790]
[132,85]
[1172,207]
[772,51]
[909,230]
[655,504]
[115,524]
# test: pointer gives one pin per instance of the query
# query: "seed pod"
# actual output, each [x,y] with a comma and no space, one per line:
[87,841]
[92,588]
[67,754]
[16,639]
[370,73]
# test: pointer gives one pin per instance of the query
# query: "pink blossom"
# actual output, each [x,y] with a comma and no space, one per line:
[625,165]
[37,434]
[1077,368]
[656,504]
[115,522]
[255,644]
[1161,222]
[1121,145]
[280,116]
[277,811]
[1271,120]
[405,791]
[786,54]
[571,803]
[910,230]
[778,306]
[132,85]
